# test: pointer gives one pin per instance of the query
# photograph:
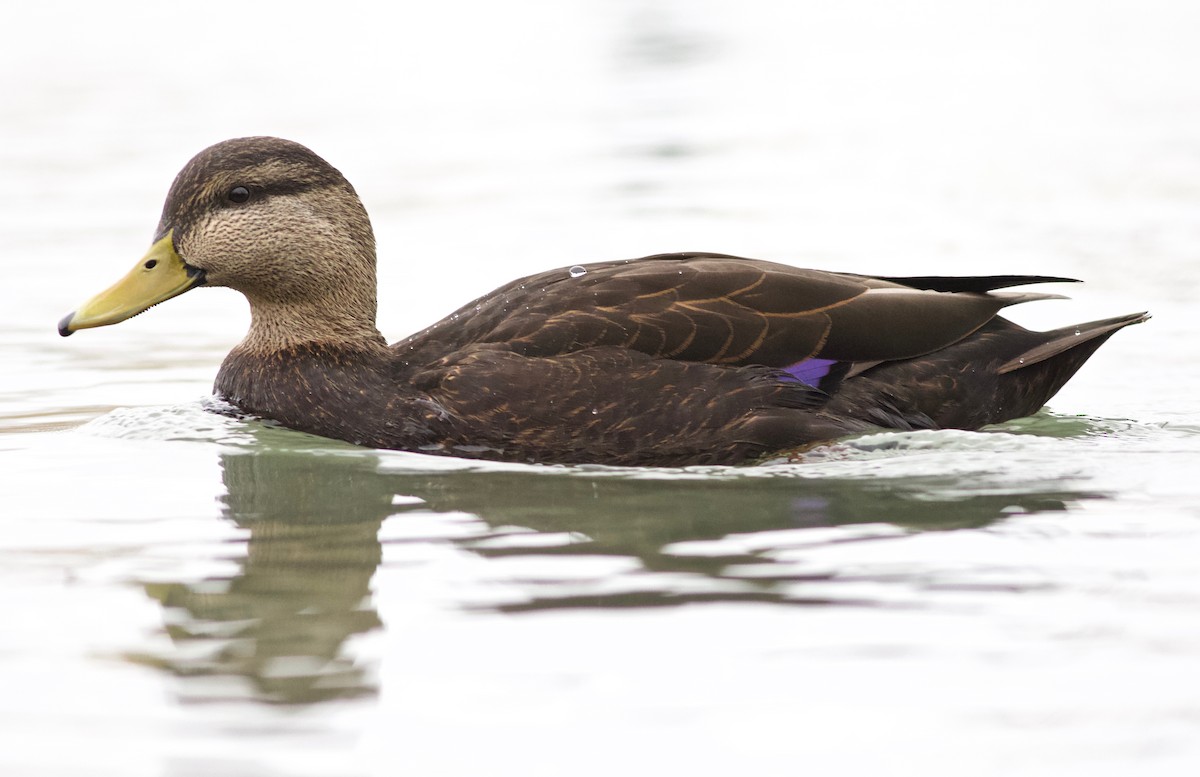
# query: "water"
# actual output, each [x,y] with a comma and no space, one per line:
[186,594]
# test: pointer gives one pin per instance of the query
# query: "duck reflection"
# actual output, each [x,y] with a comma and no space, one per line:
[304,584]
[649,518]
[314,519]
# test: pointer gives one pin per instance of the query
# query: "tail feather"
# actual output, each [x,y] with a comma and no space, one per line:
[1070,337]
[977,283]
[1001,372]
[1017,297]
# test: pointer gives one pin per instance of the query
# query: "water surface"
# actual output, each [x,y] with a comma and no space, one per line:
[186,593]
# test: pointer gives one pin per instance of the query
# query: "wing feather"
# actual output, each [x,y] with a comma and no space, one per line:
[719,309]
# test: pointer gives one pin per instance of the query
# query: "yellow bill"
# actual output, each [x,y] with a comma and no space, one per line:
[160,275]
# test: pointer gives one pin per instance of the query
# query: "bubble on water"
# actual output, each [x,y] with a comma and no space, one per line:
[577,271]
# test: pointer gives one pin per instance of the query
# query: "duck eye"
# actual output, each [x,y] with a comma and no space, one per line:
[239,194]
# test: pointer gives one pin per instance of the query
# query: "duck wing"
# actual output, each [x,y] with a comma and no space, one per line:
[614,406]
[719,309]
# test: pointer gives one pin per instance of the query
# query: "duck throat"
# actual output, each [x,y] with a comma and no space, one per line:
[339,321]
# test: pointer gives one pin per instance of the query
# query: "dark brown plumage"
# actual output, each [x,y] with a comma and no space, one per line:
[668,360]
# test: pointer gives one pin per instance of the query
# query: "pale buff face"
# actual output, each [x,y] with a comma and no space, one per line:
[274,221]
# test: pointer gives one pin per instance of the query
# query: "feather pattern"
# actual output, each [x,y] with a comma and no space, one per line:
[672,359]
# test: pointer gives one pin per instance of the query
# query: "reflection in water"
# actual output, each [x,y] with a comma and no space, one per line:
[303,588]
[651,519]
[314,520]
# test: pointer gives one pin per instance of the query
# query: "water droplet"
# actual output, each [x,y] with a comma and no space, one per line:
[577,271]
[1022,361]
[1077,333]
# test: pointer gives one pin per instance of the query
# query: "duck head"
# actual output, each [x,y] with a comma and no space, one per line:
[266,217]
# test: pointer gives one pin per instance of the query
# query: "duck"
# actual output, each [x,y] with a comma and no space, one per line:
[668,360]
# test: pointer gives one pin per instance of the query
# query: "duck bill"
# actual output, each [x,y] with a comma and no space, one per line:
[160,275]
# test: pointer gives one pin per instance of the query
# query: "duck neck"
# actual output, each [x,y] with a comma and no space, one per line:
[338,323]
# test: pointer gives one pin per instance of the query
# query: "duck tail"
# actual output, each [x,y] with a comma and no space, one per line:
[1001,372]
[1071,338]
[979,284]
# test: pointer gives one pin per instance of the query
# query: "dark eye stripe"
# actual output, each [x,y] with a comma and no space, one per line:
[238,195]
[265,169]
[294,187]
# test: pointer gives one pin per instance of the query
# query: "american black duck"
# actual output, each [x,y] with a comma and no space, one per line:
[675,359]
